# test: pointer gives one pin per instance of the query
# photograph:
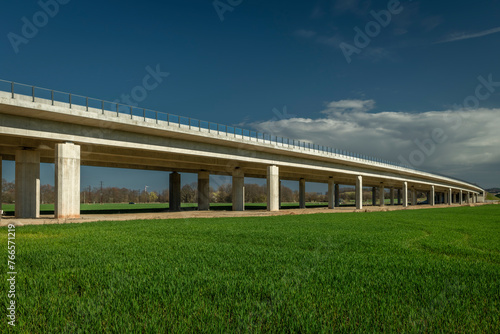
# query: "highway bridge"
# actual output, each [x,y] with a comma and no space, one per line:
[41,125]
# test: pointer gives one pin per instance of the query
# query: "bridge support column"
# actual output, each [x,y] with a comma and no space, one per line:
[1,185]
[27,184]
[67,181]
[337,195]
[174,192]
[399,196]
[405,194]
[392,195]
[359,192]
[302,193]
[238,190]
[432,196]
[468,198]
[460,198]
[331,193]
[273,188]
[382,194]
[281,195]
[446,197]
[374,196]
[450,196]
[414,196]
[203,190]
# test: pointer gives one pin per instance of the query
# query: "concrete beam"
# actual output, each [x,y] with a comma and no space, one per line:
[337,195]
[238,190]
[359,192]
[203,190]
[432,196]
[382,194]
[331,193]
[67,181]
[273,188]
[27,184]
[405,194]
[174,188]
[302,193]
[392,195]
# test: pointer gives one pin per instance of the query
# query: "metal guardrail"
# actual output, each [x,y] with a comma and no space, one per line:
[51,96]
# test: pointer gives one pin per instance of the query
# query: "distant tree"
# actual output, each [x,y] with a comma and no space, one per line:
[8,192]
[153,197]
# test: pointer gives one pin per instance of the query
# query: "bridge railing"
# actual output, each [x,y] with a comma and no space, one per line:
[84,103]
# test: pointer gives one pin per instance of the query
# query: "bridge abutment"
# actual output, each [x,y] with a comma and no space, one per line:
[67,181]
[27,184]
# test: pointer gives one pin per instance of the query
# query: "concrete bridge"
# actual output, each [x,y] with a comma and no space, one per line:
[39,125]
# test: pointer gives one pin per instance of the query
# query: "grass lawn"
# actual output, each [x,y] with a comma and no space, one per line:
[431,270]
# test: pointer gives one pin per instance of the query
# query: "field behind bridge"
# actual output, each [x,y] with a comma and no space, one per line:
[434,270]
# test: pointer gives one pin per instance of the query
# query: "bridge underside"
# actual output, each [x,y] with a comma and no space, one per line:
[68,157]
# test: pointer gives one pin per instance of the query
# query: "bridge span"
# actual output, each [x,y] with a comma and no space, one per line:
[39,125]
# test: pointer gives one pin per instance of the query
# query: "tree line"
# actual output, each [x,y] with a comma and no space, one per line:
[254,193]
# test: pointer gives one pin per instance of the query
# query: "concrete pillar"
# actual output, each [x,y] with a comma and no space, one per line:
[413,196]
[238,190]
[273,188]
[405,194]
[337,195]
[331,193]
[175,192]
[359,192]
[203,190]
[67,181]
[1,185]
[468,198]
[399,196]
[432,196]
[374,196]
[281,194]
[27,184]
[382,194]
[450,196]
[392,195]
[302,193]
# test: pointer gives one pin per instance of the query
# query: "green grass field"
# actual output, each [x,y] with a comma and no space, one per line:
[412,271]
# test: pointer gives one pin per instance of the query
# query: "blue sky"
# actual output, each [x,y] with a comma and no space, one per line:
[279,66]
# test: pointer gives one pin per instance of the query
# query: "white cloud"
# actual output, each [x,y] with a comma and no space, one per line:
[341,106]
[471,142]
[462,36]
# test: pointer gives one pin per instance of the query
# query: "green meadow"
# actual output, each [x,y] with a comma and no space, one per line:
[412,271]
